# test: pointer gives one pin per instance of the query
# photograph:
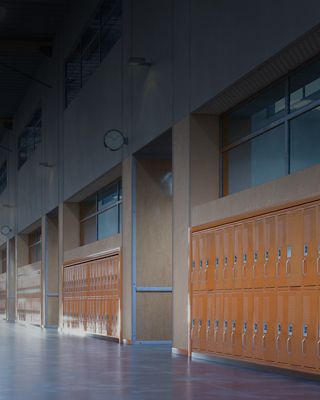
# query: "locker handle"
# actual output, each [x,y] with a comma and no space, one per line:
[265,268]
[253,342]
[287,266]
[277,343]
[264,342]
[288,342]
[233,339]
[318,265]
[303,345]
[303,267]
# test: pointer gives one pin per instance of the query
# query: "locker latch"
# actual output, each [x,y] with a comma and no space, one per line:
[217,262]
[193,323]
[207,264]
[208,323]
[255,257]
[233,326]
[193,264]
[245,326]
[267,255]
[200,264]
[255,327]
[200,323]
[245,258]
[305,250]
[289,252]
[319,248]
[279,254]
[235,259]
[217,324]
[290,329]
[225,325]
[305,330]
[279,328]
[225,260]
[265,328]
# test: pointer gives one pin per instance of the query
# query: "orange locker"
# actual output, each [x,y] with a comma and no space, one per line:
[202,324]
[210,260]
[210,321]
[195,344]
[195,263]
[227,317]
[219,262]
[309,263]
[203,265]
[236,322]
[310,327]
[237,257]
[294,253]
[281,248]
[270,252]
[294,327]
[247,248]
[257,326]
[318,333]
[247,323]
[218,323]
[269,325]
[258,253]
[228,238]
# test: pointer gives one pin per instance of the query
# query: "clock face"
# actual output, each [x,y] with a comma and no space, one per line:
[114,140]
[5,230]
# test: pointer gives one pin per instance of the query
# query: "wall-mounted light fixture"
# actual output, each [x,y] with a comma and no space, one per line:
[139,62]
[5,230]
[45,164]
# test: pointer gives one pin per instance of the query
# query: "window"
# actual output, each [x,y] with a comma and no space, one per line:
[101,34]
[3,177]
[35,246]
[3,261]
[29,139]
[274,134]
[100,214]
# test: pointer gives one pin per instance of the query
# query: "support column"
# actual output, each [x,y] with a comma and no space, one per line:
[127,248]
[11,280]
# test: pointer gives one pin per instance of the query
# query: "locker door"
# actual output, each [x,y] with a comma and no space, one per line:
[195,262]
[236,322]
[270,252]
[218,323]
[202,324]
[210,260]
[294,253]
[281,248]
[202,263]
[318,333]
[282,325]
[310,247]
[237,257]
[258,254]
[228,235]
[195,322]
[247,261]
[219,258]
[294,326]
[247,323]
[257,326]
[269,325]
[227,328]
[309,329]
[210,321]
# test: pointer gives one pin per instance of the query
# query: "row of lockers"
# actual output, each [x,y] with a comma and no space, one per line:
[277,249]
[274,326]
[3,295]
[29,294]
[91,296]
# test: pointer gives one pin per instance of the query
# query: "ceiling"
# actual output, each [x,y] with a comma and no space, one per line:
[26,32]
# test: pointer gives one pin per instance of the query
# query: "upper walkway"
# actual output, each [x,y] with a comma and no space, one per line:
[37,364]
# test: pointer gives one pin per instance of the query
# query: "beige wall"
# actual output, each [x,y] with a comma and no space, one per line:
[153,248]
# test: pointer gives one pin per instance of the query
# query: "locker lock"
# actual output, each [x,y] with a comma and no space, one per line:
[225,260]
[265,328]
[255,327]
[289,252]
[267,255]
[193,264]
[233,326]
[217,262]
[235,259]
[200,264]
[279,254]
[305,250]
[225,325]
[305,330]
[217,324]
[207,264]
[255,257]
[193,323]
[245,326]
[200,323]
[245,258]
[208,323]
[290,330]
[279,328]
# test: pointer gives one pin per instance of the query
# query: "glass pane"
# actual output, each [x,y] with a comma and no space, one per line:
[258,113]
[255,162]
[305,86]
[108,223]
[107,196]
[305,140]
[88,231]
[88,207]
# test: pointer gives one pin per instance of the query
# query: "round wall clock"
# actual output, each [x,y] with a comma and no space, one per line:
[114,140]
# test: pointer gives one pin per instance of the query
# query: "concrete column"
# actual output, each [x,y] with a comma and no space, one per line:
[50,271]
[11,280]
[127,246]
[195,181]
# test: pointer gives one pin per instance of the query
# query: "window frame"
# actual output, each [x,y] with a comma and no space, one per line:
[286,119]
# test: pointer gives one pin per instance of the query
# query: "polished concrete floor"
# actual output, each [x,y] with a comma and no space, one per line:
[35,364]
